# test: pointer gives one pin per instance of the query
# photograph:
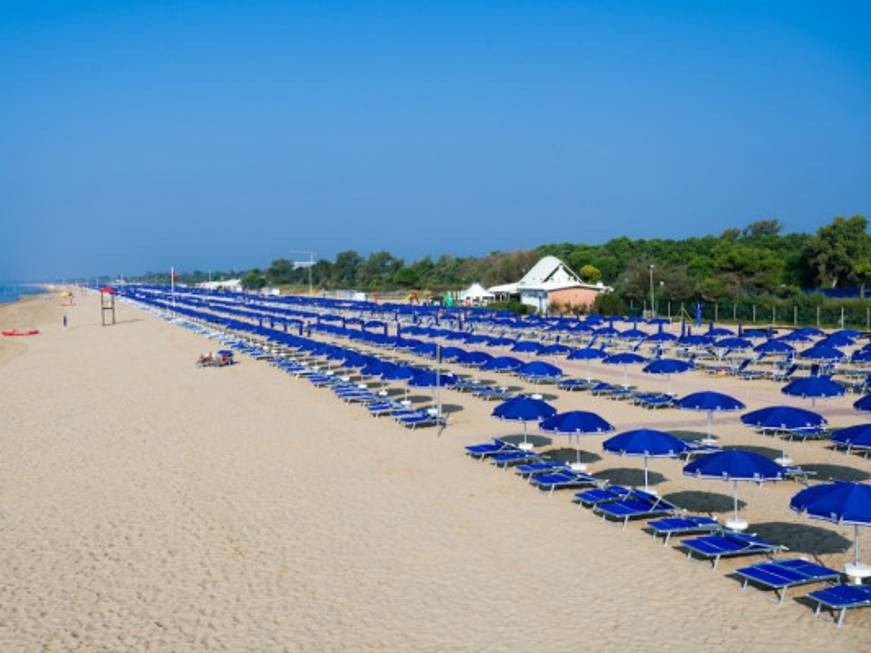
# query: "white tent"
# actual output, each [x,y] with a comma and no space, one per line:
[475,294]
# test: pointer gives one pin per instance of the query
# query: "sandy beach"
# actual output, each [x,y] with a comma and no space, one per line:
[146,504]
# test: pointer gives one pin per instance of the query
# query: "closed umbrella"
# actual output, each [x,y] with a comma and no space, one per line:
[735,465]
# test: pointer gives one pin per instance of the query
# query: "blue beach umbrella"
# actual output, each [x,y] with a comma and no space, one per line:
[524,409]
[502,364]
[555,350]
[858,436]
[735,465]
[863,404]
[822,353]
[667,367]
[527,347]
[587,354]
[429,379]
[774,347]
[539,369]
[647,443]
[624,359]
[813,388]
[477,358]
[577,423]
[784,420]
[840,503]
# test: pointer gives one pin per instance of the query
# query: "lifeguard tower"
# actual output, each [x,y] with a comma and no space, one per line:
[107,306]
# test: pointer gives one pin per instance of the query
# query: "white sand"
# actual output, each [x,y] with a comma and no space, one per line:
[146,504]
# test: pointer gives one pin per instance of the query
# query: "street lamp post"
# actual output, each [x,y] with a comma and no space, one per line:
[651,268]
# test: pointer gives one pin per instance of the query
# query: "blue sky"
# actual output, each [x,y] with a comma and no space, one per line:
[223,134]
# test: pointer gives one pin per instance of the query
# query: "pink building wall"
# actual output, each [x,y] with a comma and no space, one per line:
[573,296]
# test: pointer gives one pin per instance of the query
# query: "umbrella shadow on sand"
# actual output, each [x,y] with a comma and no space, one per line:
[629,476]
[825,472]
[544,395]
[570,455]
[534,440]
[689,436]
[768,452]
[803,538]
[704,502]
[451,408]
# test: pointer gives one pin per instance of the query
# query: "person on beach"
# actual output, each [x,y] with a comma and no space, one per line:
[65,320]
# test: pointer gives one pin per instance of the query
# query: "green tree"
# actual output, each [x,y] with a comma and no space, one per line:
[836,250]
[406,278]
[862,272]
[590,273]
[253,280]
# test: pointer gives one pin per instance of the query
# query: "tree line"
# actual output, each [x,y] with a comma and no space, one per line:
[759,259]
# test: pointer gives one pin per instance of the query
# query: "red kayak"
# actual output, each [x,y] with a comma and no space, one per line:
[16,332]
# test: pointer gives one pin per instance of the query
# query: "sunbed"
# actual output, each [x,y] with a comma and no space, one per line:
[542,467]
[517,457]
[841,598]
[652,399]
[635,506]
[728,544]
[421,418]
[573,384]
[485,450]
[564,479]
[780,575]
[684,525]
[591,498]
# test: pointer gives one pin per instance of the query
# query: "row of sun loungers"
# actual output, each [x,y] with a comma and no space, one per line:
[709,540]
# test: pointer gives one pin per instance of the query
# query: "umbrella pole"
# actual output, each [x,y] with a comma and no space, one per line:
[524,432]
[625,377]
[646,485]
[735,498]
[856,545]
[710,423]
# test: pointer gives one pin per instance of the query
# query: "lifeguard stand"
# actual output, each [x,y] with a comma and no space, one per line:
[107,306]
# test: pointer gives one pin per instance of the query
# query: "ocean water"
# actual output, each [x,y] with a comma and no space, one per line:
[10,293]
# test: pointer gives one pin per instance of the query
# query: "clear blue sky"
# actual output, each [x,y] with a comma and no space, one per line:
[216,134]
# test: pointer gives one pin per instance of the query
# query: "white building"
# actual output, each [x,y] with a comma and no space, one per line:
[550,280]
[233,285]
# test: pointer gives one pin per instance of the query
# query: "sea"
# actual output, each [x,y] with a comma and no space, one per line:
[13,292]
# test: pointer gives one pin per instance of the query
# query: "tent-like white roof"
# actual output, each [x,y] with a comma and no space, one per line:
[476,291]
[549,273]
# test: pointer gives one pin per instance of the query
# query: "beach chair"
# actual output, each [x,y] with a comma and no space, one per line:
[684,525]
[564,479]
[780,575]
[422,417]
[727,544]
[573,385]
[652,400]
[636,505]
[590,498]
[508,458]
[379,408]
[841,598]
[490,393]
[799,475]
[698,449]
[482,451]
[541,467]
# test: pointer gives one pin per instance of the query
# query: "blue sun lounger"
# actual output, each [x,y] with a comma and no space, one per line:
[564,479]
[421,418]
[490,393]
[481,451]
[573,385]
[543,467]
[841,598]
[592,498]
[636,505]
[685,525]
[780,575]
[727,544]
[509,458]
